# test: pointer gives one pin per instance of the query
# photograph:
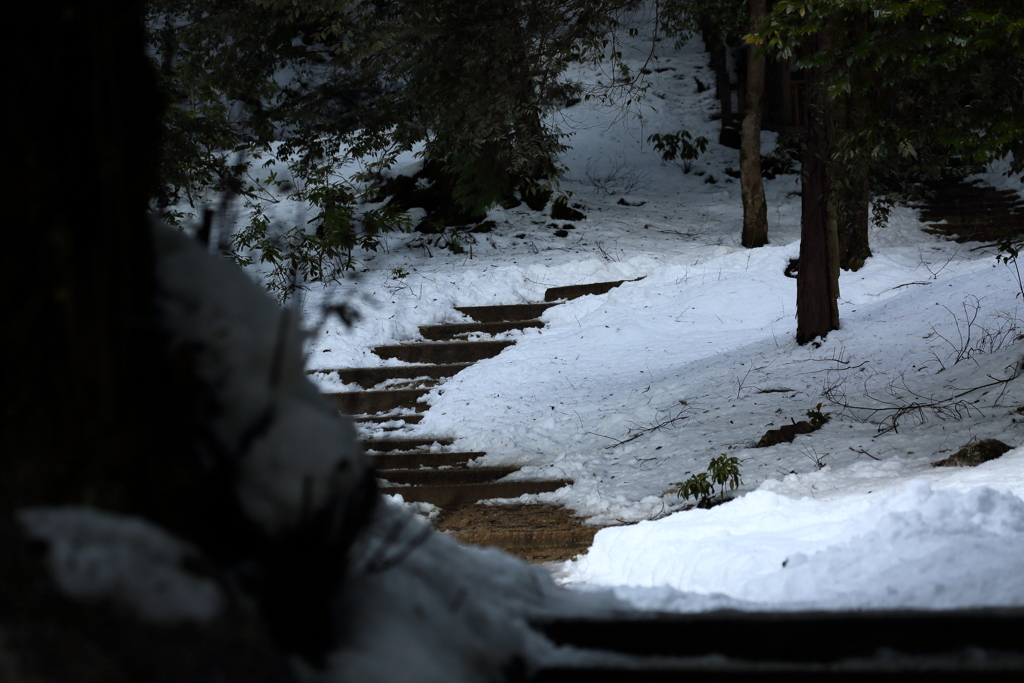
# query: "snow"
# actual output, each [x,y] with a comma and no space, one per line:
[705,343]
[425,608]
[630,392]
[915,547]
[96,555]
[247,352]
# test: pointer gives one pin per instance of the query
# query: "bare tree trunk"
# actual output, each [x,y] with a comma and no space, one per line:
[817,285]
[755,210]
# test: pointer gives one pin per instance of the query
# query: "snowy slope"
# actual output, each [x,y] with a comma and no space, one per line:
[705,342]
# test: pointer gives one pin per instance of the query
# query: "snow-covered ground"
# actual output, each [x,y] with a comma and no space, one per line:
[626,394]
[853,515]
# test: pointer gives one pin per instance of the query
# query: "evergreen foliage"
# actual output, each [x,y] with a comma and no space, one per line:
[316,83]
[942,80]
[727,19]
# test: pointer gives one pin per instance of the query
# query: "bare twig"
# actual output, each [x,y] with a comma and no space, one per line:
[861,450]
[898,407]
[975,338]
[684,413]
[621,178]
[818,460]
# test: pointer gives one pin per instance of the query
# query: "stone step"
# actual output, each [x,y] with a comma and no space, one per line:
[371,377]
[444,352]
[987,207]
[450,495]
[1002,210]
[734,646]
[447,332]
[965,191]
[980,226]
[511,540]
[404,461]
[427,477]
[497,314]
[576,291]
[405,444]
[360,402]
[950,667]
[972,212]
[378,419]
[536,533]
[971,197]
[968,233]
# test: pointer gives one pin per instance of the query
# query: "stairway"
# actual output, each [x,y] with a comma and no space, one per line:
[426,469]
[965,211]
[897,646]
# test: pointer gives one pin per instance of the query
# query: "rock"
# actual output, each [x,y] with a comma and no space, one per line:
[729,137]
[536,197]
[973,454]
[561,211]
[511,202]
[785,433]
[430,189]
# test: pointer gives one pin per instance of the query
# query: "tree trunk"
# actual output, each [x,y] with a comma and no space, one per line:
[853,187]
[853,199]
[855,249]
[79,329]
[755,210]
[817,284]
[715,44]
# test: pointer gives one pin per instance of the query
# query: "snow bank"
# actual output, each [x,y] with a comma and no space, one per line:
[294,452]
[423,608]
[95,555]
[917,547]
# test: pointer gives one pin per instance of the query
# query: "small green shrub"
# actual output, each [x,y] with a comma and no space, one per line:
[679,147]
[721,471]
[817,418]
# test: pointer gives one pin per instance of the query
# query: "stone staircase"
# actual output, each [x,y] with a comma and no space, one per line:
[972,211]
[425,468]
[897,646]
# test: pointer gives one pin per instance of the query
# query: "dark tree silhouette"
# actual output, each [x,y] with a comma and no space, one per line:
[82,368]
[817,285]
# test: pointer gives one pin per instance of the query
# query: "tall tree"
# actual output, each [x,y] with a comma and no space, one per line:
[905,89]
[817,293]
[755,209]
[719,21]
[81,405]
